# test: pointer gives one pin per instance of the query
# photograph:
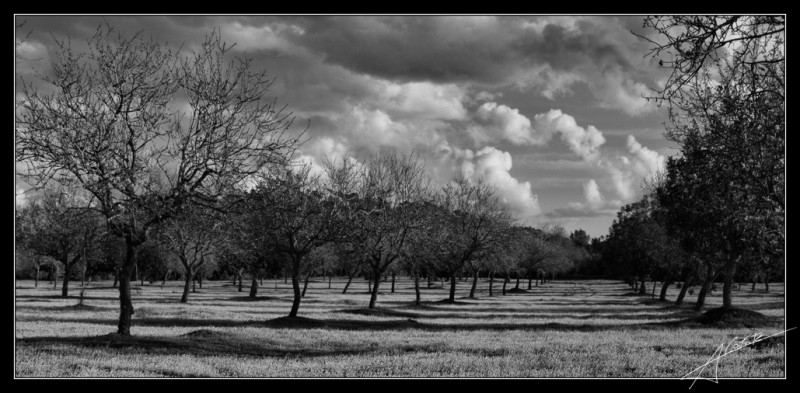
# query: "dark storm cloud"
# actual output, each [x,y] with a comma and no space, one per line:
[409,48]
[489,50]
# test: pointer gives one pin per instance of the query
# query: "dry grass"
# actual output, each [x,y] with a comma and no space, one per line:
[561,329]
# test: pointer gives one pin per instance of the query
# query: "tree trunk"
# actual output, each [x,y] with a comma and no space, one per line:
[491,283]
[295,286]
[65,286]
[55,277]
[416,288]
[240,273]
[200,280]
[653,294]
[305,285]
[116,278]
[135,272]
[505,281]
[766,285]
[194,284]
[754,284]
[165,279]
[189,280]
[369,284]
[688,280]
[297,296]
[701,297]
[474,284]
[253,288]
[635,283]
[392,282]
[517,287]
[349,280]
[664,287]
[452,287]
[374,296]
[642,288]
[530,279]
[126,304]
[430,282]
[727,301]
[36,285]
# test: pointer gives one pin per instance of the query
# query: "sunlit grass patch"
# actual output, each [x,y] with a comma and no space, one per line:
[560,329]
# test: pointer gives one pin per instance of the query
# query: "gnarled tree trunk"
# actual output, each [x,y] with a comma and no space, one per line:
[349,280]
[664,287]
[701,297]
[305,285]
[253,288]
[416,289]
[126,305]
[474,284]
[452,297]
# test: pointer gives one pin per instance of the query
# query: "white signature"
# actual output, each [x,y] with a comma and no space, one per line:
[722,351]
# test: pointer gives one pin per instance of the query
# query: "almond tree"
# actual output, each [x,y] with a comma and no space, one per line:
[61,226]
[292,212]
[726,101]
[148,132]
[386,193]
[189,238]
[472,219]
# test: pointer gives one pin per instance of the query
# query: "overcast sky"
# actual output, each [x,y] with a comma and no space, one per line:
[549,109]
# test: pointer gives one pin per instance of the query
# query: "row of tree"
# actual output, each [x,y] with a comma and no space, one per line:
[368,219]
[718,209]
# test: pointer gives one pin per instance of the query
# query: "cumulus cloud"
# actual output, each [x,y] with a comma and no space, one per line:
[592,194]
[493,166]
[615,90]
[585,142]
[501,120]
[626,173]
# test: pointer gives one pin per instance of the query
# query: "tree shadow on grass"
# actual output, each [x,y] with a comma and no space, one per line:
[258,299]
[215,343]
[220,344]
[67,308]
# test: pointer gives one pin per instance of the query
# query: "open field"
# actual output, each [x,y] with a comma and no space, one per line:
[572,329]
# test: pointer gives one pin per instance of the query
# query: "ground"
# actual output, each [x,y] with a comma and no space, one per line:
[569,328]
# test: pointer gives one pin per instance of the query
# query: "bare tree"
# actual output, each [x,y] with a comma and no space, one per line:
[294,215]
[113,125]
[385,210]
[472,219]
[60,225]
[189,238]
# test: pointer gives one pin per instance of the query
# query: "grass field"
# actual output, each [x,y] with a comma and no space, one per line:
[570,329]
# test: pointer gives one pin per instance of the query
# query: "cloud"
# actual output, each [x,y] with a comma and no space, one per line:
[615,90]
[595,205]
[493,166]
[547,54]
[585,142]
[592,194]
[501,120]
[645,162]
[627,173]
